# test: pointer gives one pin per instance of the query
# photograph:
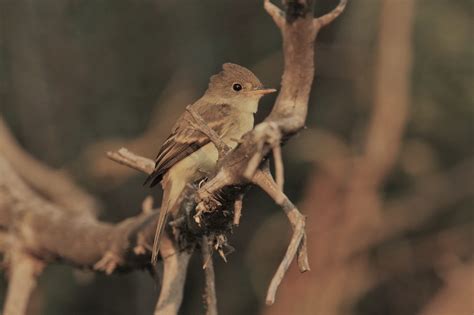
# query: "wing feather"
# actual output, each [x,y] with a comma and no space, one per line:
[185,139]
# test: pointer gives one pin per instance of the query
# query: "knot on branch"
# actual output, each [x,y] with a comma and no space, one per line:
[266,133]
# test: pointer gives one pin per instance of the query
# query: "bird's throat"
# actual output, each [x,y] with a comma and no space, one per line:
[248,106]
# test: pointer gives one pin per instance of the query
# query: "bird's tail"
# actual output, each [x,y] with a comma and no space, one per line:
[169,200]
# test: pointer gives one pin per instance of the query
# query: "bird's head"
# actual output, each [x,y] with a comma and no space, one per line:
[236,84]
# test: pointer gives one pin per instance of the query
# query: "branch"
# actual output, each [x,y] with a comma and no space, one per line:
[264,180]
[275,13]
[174,276]
[279,169]
[208,266]
[113,245]
[200,124]
[127,158]
[52,184]
[24,271]
[241,165]
[331,16]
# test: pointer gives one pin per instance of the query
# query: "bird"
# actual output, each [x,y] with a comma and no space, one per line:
[188,155]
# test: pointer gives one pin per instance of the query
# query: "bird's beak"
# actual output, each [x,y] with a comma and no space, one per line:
[262,91]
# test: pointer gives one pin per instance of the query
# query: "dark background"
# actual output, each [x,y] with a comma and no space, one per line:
[80,77]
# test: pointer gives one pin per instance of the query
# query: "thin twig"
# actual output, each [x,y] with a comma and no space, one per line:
[147,204]
[200,124]
[279,169]
[328,18]
[238,209]
[208,266]
[297,243]
[125,157]
[275,13]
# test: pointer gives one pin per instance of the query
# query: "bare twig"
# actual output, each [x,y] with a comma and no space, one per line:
[24,270]
[331,16]
[200,124]
[279,170]
[275,13]
[297,243]
[208,266]
[147,204]
[175,264]
[125,157]
[238,209]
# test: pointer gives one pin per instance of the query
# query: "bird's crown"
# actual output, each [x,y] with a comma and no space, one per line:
[232,73]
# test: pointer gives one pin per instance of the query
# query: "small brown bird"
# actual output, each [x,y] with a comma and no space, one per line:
[187,155]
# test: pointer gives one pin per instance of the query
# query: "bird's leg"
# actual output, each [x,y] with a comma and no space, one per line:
[200,124]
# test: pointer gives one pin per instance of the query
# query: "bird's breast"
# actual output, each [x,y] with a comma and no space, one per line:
[237,127]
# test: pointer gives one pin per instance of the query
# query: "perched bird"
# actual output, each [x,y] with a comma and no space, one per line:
[187,155]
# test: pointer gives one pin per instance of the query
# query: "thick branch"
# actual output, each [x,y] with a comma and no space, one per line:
[52,184]
[99,242]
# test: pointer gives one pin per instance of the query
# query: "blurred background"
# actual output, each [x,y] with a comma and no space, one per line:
[384,171]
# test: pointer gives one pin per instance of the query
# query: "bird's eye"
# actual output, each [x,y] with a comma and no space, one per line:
[236,87]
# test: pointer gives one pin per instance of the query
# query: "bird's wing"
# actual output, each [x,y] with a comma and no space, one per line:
[185,139]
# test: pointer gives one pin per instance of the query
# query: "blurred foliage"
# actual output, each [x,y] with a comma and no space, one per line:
[73,72]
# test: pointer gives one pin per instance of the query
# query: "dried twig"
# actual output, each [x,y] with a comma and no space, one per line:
[23,273]
[127,158]
[264,180]
[279,169]
[175,264]
[238,209]
[328,18]
[208,266]
[275,13]
[200,124]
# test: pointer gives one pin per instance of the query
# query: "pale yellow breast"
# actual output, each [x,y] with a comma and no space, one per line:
[203,161]
[239,126]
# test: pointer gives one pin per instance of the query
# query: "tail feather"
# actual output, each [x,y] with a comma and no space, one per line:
[166,205]
[159,231]
[154,177]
